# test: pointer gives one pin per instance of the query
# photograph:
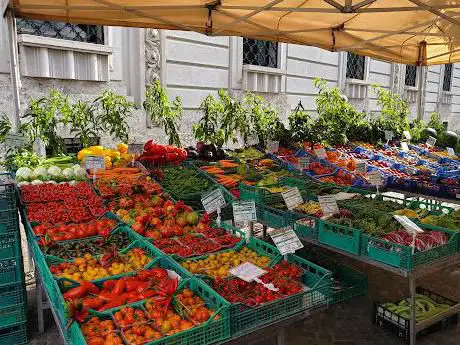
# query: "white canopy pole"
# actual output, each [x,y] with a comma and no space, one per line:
[14,67]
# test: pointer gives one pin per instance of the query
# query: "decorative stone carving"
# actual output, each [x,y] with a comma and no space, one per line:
[152,55]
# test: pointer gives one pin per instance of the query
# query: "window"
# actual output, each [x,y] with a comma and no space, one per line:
[73,145]
[446,84]
[411,76]
[260,53]
[73,32]
[355,66]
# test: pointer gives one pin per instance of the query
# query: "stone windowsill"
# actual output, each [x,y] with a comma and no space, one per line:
[263,70]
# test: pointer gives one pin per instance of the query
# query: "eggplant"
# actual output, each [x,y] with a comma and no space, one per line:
[207,155]
[220,153]
[200,146]
[192,154]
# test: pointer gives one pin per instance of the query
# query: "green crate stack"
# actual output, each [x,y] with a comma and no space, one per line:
[13,303]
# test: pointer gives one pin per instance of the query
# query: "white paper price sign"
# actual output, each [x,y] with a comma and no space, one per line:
[136,148]
[451,152]
[213,201]
[273,146]
[304,162]
[361,167]
[244,211]
[431,141]
[321,153]
[328,204]
[404,146]
[407,135]
[247,271]
[388,135]
[292,197]
[408,225]
[285,240]
[94,163]
[375,178]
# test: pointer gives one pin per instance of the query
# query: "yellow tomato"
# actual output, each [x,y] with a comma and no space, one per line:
[96,150]
[83,153]
[122,148]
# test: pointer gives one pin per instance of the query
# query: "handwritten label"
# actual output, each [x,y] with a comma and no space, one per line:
[273,146]
[136,148]
[407,135]
[388,135]
[286,240]
[321,153]
[247,271]
[361,167]
[375,178]
[292,197]
[404,146]
[304,162]
[244,211]
[451,152]
[408,225]
[94,163]
[213,201]
[328,204]
[431,141]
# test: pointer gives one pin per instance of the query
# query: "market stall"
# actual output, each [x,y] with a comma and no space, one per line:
[178,262]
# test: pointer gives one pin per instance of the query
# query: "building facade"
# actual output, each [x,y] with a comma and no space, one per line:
[84,60]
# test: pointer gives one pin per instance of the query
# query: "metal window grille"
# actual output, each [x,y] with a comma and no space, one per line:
[73,145]
[446,85]
[260,53]
[67,31]
[411,75]
[355,66]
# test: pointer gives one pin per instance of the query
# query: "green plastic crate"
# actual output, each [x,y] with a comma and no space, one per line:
[355,281]
[246,319]
[16,335]
[11,270]
[259,194]
[275,218]
[14,312]
[308,227]
[10,243]
[401,256]
[9,218]
[212,331]
[8,198]
[339,236]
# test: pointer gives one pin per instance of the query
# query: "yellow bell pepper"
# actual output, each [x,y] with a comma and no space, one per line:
[96,150]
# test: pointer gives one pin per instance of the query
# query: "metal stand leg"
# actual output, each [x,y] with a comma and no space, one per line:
[264,229]
[280,337]
[251,229]
[413,319]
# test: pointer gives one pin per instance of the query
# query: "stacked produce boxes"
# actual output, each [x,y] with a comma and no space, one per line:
[13,306]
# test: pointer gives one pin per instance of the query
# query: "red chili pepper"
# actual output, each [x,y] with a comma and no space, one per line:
[119,287]
[91,288]
[108,284]
[147,294]
[92,303]
[76,292]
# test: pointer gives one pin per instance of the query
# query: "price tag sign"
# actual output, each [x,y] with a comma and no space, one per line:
[247,271]
[286,240]
[407,135]
[451,152]
[213,201]
[361,167]
[408,225]
[244,211]
[253,140]
[328,204]
[14,140]
[375,178]
[404,146]
[292,197]
[321,153]
[388,135]
[431,141]
[94,163]
[304,162]
[136,148]
[273,146]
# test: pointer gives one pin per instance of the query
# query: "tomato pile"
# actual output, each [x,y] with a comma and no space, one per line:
[120,186]
[98,227]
